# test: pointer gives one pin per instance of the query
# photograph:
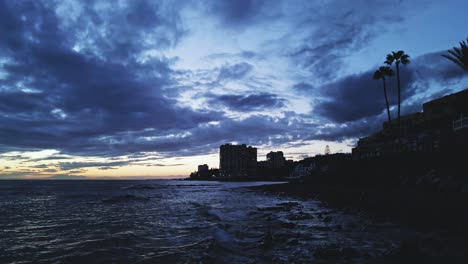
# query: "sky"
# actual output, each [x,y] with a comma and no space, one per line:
[132,88]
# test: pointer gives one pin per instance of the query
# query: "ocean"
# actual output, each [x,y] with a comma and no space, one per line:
[169,221]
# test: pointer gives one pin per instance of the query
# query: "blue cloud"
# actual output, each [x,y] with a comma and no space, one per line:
[97,78]
[249,102]
[96,98]
[236,71]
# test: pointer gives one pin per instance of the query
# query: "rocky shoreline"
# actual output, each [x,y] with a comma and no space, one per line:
[428,194]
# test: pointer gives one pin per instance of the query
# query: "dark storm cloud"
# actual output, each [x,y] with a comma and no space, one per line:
[13,175]
[121,31]
[433,67]
[206,138]
[77,77]
[74,102]
[110,165]
[55,157]
[107,168]
[163,165]
[303,87]
[77,171]
[13,157]
[79,165]
[236,71]
[264,130]
[240,13]
[352,98]
[349,130]
[41,166]
[358,96]
[254,130]
[249,102]
[242,55]
[67,177]
[343,29]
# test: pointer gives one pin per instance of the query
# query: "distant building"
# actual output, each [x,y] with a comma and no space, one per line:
[202,168]
[411,123]
[327,150]
[276,159]
[460,123]
[237,161]
[204,173]
[301,171]
[441,126]
[263,164]
[440,113]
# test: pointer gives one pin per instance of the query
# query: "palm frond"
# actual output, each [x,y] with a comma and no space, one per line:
[399,54]
[454,60]
[457,51]
[459,55]
[463,44]
[405,59]
[386,71]
[377,75]
[390,59]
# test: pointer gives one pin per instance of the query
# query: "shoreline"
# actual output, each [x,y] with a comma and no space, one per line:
[437,242]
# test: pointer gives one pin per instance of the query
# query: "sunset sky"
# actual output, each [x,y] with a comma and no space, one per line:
[153,88]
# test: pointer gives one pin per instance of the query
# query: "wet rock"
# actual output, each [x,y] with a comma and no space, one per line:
[292,242]
[285,237]
[408,249]
[270,208]
[287,225]
[300,216]
[125,198]
[321,228]
[334,251]
[350,253]
[288,204]
[328,251]
[141,187]
[267,241]
[465,188]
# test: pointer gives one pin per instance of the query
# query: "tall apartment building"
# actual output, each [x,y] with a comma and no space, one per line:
[237,160]
[202,168]
[276,159]
[442,126]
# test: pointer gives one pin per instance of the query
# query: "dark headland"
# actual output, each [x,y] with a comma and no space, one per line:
[415,175]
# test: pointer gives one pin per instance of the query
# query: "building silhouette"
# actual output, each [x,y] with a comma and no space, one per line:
[204,173]
[237,161]
[275,159]
[202,168]
[441,127]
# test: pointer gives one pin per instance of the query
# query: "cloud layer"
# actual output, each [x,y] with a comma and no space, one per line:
[101,79]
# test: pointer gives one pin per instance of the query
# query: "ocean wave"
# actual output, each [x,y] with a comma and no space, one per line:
[141,187]
[125,198]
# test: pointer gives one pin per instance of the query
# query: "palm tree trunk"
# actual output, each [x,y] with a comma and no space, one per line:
[386,101]
[399,96]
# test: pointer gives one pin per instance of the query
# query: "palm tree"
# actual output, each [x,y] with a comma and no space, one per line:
[380,74]
[459,55]
[397,58]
